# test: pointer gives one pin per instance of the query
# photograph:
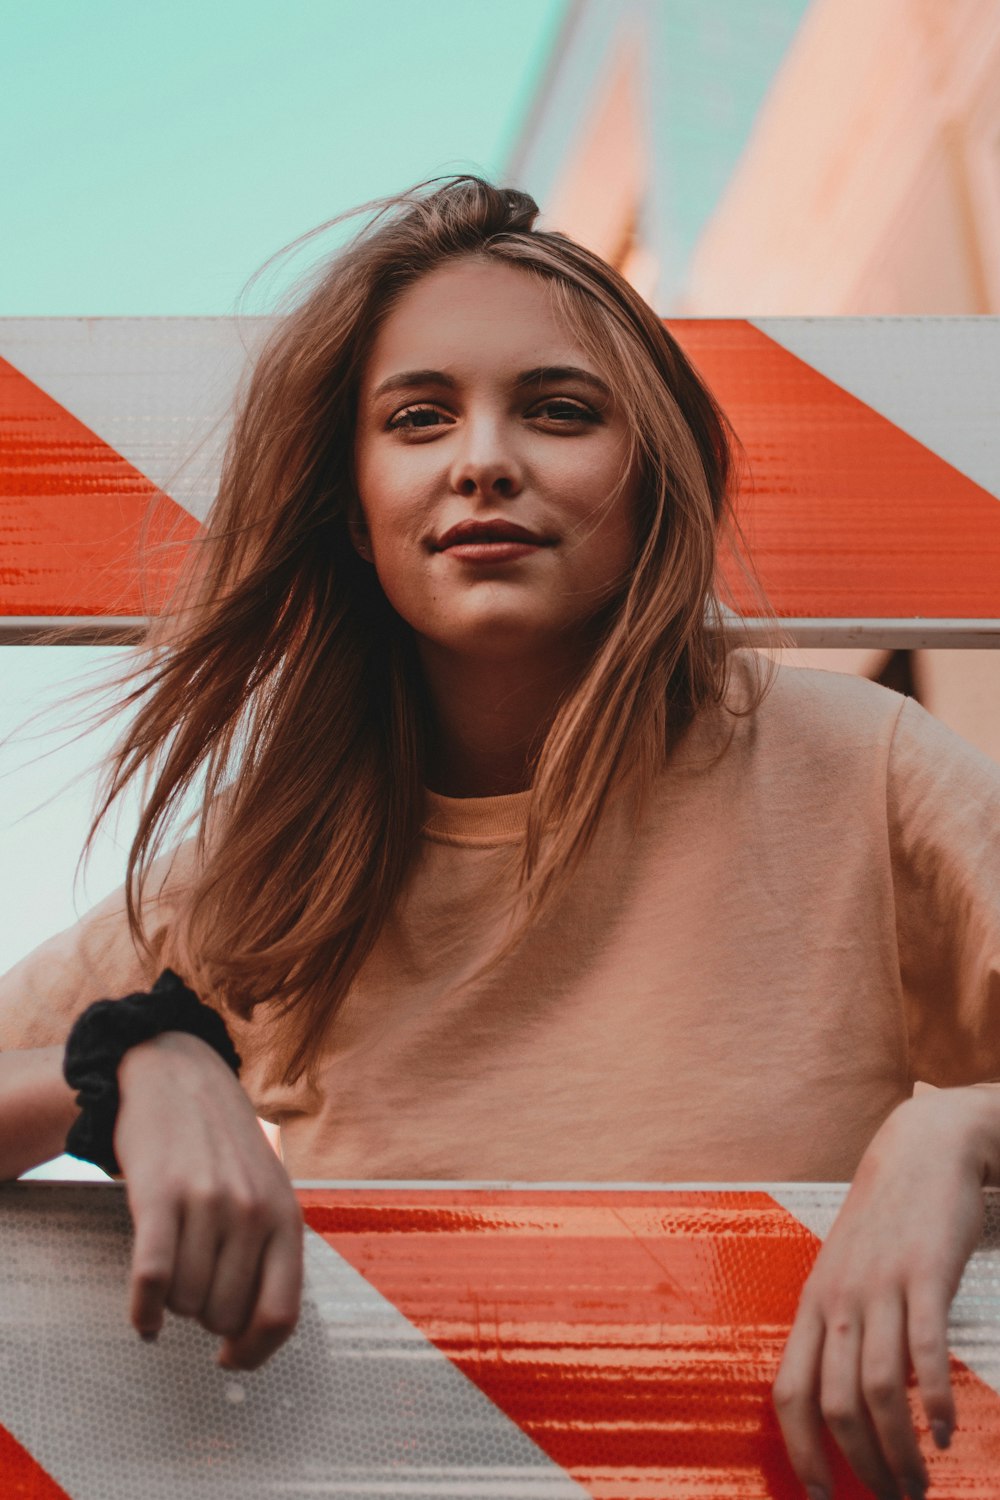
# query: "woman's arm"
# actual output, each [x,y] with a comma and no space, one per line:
[218,1231]
[878,1297]
[218,1227]
[37,1108]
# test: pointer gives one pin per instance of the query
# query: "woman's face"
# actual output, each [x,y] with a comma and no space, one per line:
[476,406]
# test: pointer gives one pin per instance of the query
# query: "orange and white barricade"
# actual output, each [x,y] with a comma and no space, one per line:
[476,1341]
[464,1341]
[870,498]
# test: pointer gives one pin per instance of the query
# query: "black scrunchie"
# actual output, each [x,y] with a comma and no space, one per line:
[99,1040]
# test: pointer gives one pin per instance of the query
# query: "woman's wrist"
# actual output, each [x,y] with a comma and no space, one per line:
[981,1105]
[103,1035]
[167,1044]
[964,1121]
[175,1060]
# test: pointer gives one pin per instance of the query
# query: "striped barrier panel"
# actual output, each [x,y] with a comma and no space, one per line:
[539,1342]
[869,500]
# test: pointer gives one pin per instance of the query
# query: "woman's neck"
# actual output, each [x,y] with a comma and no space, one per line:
[490,720]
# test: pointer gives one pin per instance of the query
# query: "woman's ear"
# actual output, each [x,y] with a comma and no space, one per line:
[357,529]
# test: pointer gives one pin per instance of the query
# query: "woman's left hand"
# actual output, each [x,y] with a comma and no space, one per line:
[878,1297]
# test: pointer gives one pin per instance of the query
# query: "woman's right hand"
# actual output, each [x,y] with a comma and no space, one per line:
[218,1230]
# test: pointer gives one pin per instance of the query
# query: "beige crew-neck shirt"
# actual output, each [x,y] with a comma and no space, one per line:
[805,921]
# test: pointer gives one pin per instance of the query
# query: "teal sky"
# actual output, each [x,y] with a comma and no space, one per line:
[156,154]
[712,65]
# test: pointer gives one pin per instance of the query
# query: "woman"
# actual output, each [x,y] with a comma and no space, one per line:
[509,864]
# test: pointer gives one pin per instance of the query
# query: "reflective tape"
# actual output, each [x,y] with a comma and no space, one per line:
[542,1343]
[870,492]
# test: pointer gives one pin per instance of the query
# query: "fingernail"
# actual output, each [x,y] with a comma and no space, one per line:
[816,1492]
[941,1433]
[148,1336]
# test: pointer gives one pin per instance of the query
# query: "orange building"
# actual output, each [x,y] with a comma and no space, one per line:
[869,183]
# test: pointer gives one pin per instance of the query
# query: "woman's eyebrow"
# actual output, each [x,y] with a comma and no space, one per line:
[547,374]
[540,375]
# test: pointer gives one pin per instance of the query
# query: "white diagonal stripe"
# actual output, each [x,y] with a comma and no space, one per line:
[936,378]
[157,390]
[359,1404]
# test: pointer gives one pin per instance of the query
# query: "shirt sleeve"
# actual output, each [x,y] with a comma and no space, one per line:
[943,808]
[42,995]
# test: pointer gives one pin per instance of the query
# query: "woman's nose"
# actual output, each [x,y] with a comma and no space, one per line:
[486,464]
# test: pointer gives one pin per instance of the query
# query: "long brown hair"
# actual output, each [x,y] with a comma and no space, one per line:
[280,686]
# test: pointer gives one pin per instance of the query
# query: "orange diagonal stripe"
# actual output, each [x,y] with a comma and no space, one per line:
[24,1478]
[78,522]
[634,1339]
[845,514]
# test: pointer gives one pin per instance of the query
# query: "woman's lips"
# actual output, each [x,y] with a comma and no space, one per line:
[492,552]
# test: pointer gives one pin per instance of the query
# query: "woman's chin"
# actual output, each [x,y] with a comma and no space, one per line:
[502,638]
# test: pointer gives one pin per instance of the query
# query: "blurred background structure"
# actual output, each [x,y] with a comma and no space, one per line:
[777,157]
[788,158]
[731,157]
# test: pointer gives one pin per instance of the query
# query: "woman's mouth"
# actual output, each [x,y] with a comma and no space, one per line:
[492,552]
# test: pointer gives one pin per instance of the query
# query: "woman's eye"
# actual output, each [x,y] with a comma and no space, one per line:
[410,419]
[406,418]
[571,411]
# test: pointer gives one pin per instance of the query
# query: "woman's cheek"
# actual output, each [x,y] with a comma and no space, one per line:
[404,574]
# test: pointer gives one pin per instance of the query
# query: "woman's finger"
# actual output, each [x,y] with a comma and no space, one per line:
[157,1229]
[795,1401]
[927,1336]
[884,1368]
[279,1298]
[201,1233]
[842,1405]
[234,1291]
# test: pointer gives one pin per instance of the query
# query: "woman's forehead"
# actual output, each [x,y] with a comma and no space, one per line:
[468,318]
